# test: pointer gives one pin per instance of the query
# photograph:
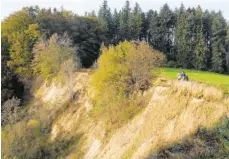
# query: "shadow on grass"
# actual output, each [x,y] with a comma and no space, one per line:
[204,144]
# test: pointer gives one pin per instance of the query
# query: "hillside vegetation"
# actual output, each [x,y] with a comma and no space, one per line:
[180,119]
[96,86]
[168,31]
[117,111]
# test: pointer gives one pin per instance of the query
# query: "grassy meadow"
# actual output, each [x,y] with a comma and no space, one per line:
[201,76]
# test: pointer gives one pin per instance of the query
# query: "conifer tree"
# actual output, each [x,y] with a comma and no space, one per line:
[227,50]
[125,18]
[116,19]
[150,18]
[136,22]
[218,43]
[153,22]
[165,30]
[200,50]
[144,28]
[184,38]
[105,18]
[207,32]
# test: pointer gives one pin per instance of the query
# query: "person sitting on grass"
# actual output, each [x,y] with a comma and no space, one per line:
[182,76]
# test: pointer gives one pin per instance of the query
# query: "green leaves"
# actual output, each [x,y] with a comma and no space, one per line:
[126,68]
[51,54]
[21,34]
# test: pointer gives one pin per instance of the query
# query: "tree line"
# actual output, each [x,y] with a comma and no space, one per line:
[33,45]
[190,38]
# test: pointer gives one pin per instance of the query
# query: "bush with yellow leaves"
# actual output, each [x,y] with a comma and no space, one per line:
[122,72]
[126,68]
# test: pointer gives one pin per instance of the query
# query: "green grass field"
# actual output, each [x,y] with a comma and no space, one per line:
[202,76]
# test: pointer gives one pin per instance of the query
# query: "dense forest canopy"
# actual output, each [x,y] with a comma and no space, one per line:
[189,37]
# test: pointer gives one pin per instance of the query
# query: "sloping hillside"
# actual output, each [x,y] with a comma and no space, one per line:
[176,111]
[181,120]
[171,116]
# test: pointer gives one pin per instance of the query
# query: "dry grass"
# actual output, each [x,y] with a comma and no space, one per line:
[205,143]
[197,90]
[176,110]
[186,107]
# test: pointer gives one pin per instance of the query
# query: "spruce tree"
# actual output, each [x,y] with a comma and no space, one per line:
[218,43]
[105,18]
[153,33]
[148,26]
[116,19]
[125,18]
[165,30]
[200,50]
[144,28]
[162,30]
[227,50]
[207,32]
[184,38]
[136,22]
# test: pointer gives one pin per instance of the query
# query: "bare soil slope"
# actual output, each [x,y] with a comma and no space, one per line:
[176,110]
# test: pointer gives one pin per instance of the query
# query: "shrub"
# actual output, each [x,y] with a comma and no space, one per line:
[126,68]
[123,71]
[34,127]
[67,69]
[10,111]
[20,141]
[50,55]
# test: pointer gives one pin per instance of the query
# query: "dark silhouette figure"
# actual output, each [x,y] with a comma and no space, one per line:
[182,76]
